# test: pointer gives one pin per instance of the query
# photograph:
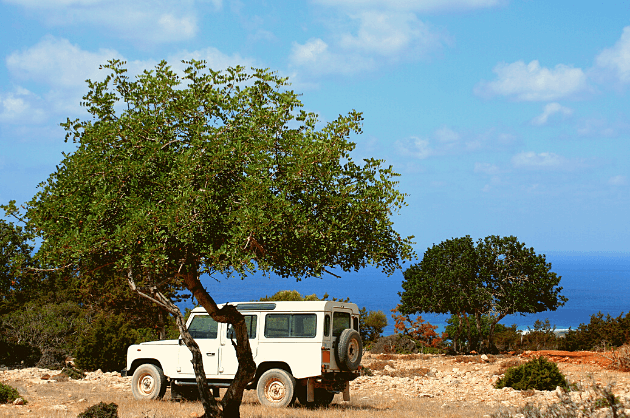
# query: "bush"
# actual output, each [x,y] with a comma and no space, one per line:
[8,394]
[100,410]
[601,332]
[539,373]
[104,343]
[50,329]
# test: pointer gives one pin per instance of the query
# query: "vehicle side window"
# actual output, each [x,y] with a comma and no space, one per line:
[341,321]
[203,326]
[355,323]
[290,325]
[250,321]
[326,325]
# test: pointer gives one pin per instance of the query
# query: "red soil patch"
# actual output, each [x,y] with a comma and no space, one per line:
[590,358]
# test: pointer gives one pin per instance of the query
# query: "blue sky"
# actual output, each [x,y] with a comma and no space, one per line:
[505,117]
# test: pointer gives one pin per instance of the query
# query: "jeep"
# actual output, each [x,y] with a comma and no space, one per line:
[303,350]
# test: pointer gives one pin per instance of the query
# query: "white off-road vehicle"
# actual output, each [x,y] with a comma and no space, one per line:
[303,350]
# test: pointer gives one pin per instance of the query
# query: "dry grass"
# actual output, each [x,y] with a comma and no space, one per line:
[46,397]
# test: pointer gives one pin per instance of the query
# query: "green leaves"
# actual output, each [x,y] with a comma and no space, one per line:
[214,171]
[498,276]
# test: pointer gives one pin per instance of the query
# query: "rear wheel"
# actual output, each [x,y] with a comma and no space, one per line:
[276,387]
[148,382]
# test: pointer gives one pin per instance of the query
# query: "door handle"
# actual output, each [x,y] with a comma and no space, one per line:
[210,354]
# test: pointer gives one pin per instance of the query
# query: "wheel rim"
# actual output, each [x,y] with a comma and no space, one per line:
[146,384]
[353,351]
[275,391]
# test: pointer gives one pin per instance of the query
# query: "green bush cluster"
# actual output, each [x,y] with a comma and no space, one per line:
[601,332]
[104,343]
[100,410]
[538,373]
[8,394]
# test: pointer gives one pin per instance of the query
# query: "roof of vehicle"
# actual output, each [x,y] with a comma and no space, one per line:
[289,306]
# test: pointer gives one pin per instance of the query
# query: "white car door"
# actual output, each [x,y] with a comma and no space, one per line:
[205,331]
[228,364]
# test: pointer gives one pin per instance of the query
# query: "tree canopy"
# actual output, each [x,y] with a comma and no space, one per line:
[212,172]
[498,276]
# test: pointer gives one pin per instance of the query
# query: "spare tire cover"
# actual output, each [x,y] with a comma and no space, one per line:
[349,350]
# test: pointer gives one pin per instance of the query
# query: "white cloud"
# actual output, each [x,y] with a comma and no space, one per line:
[487,168]
[62,68]
[601,127]
[616,60]
[415,147]
[21,106]
[391,35]
[447,141]
[618,180]
[545,161]
[380,38]
[139,21]
[531,82]
[315,57]
[58,63]
[549,110]
[420,6]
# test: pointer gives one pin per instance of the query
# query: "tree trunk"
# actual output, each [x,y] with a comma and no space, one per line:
[231,402]
[479,333]
[491,347]
[460,327]
[246,371]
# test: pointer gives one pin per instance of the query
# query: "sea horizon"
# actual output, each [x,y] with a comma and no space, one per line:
[594,281]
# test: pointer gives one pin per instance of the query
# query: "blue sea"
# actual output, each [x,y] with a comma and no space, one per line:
[593,282]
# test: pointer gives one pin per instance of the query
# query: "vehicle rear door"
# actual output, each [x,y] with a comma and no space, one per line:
[228,364]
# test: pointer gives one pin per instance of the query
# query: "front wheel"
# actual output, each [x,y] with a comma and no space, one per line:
[148,382]
[276,387]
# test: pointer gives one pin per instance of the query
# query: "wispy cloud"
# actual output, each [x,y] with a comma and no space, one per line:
[419,6]
[546,161]
[532,82]
[447,141]
[549,111]
[139,21]
[60,69]
[614,62]
[380,38]
[618,180]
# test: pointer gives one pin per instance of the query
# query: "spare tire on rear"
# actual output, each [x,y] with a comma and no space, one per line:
[349,350]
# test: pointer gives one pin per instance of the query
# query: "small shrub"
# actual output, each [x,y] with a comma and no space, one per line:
[8,394]
[73,373]
[380,365]
[538,373]
[621,358]
[394,344]
[413,372]
[100,410]
[366,371]
[507,364]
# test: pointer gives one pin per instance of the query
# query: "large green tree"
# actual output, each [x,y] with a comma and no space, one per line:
[212,172]
[498,276]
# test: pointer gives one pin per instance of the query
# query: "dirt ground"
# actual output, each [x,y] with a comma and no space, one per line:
[400,387]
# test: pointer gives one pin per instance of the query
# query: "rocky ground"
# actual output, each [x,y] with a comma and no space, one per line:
[449,381]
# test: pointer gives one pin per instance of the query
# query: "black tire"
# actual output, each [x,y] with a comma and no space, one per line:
[148,382]
[322,397]
[349,350]
[276,387]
